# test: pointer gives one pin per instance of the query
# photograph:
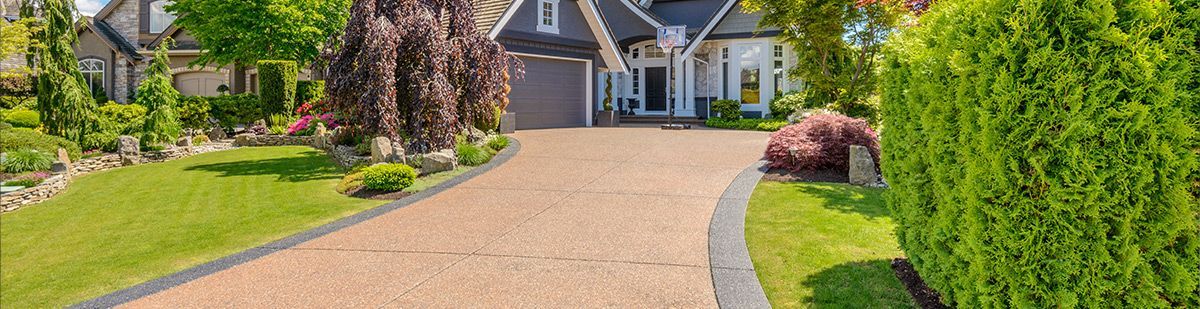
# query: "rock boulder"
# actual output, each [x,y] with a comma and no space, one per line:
[384,151]
[862,167]
[129,149]
[440,161]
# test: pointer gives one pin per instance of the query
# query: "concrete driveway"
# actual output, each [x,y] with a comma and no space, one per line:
[587,217]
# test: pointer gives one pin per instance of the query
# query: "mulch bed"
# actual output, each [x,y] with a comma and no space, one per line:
[783,175]
[363,192]
[924,296]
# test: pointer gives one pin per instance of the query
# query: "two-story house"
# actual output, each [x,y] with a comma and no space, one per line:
[117,44]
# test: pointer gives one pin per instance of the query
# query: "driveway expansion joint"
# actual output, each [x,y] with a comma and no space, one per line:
[191,274]
[734,280]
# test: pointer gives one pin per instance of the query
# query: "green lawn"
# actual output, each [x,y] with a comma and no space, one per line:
[824,245]
[118,228]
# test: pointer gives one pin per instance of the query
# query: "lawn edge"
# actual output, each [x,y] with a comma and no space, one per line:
[187,275]
[734,280]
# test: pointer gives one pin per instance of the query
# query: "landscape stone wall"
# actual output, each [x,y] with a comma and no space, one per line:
[14,200]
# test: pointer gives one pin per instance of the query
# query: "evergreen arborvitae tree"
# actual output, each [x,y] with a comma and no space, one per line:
[160,99]
[64,101]
[1040,152]
[400,72]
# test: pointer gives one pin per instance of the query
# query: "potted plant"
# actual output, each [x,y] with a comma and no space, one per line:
[608,117]
[508,121]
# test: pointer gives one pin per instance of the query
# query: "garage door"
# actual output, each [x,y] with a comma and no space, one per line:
[553,94]
[198,83]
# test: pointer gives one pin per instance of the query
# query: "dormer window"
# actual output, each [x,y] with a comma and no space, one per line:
[548,16]
[160,19]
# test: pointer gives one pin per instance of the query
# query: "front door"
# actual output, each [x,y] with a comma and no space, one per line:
[656,89]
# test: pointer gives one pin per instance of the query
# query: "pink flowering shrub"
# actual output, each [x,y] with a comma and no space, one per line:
[821,142]
[307,124]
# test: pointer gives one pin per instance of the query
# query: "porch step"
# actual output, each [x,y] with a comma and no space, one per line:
[658,119]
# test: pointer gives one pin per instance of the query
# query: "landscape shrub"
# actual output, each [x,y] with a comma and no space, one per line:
[5,125]
[23,138]
[200,139]
[105,141]
[161,100]
[787,104]
[388,177]
[28,180]
[768,125]
[277,80]
[1037,153]
[193,112]
[23,118]
[27,160]
[822,142]
[729,110]
[498,143]
[309,91]
[350,182]
[471,155]
[233,110]
[121,118]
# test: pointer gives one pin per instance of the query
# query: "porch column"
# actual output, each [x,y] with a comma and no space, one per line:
[689,82]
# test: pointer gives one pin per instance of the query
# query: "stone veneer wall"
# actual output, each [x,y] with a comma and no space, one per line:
[345,156]
[124,18]
[13,200]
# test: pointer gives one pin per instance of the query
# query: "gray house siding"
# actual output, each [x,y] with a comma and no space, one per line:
[572,24]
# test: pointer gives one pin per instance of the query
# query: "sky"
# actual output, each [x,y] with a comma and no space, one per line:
[90,7]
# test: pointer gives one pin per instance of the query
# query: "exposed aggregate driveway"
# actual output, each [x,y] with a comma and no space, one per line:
[584,217]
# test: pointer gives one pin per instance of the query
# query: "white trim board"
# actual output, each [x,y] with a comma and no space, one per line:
[587,111]
[716,19]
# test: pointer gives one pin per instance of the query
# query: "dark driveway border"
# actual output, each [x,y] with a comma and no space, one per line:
[733,274]
[157,285]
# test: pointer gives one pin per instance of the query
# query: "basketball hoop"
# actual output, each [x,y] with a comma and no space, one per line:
[670,37]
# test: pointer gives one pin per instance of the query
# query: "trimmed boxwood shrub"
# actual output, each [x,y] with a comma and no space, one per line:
[388,177]
[309,91]
[1038,153]
[277,81]
[22,138]
[232,110]
[822,142]
[727,109]
[768,125]
[23,118]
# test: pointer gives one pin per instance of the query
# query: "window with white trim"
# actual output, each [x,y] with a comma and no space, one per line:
[637,78]
[724,52]
[778,71]
[160,19]
[637,52]
[548,16]
[93,74]
[653,52]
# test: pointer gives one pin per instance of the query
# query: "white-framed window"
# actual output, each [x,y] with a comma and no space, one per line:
[653,52]
[547,16]
[160,19]
[637,78]
[93,73]
[636,52]
[778,72]
[724,52]
[778,51]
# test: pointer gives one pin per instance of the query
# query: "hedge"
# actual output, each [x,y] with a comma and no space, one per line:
[309,91]
[1038,154]
[277,84]
[748,124]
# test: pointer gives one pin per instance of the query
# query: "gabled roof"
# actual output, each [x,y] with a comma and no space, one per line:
[599,26]
[691,13]
[487,12]
[107,9]
[162,36]
[645,14]
[110,36]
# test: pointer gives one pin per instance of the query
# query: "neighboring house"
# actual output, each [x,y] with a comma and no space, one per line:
[117,44]
[570,46]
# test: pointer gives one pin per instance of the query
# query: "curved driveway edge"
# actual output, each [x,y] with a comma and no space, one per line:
[161,284]
[733,275]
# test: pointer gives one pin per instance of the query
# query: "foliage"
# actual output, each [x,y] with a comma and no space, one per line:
[498,143]
[64,100]
[1017,152]
[105,141]
[824,245]
[232,110]
[17,90]
[280,123]
[471,155]
[277,79]
[18,36]
[786,105]
[23,119]
[21,138]
[729,110]
[351,181]
[28,180]
[244,32]
[403,72]
[608,92]
[160,98]
[768,125]
[121,118]
[307,125]
[193,112]
[309,91]
[255,195]
[821,142]
[27,160]
[200,139]
[388,177]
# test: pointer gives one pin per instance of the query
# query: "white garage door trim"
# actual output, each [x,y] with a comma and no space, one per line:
[587,82]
